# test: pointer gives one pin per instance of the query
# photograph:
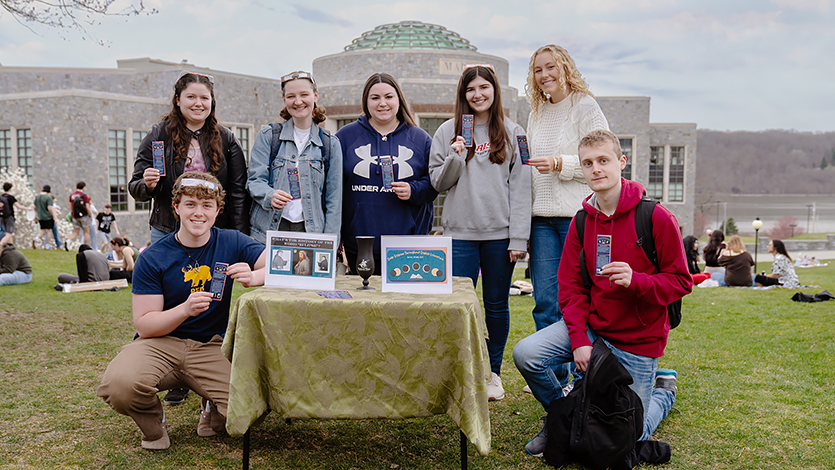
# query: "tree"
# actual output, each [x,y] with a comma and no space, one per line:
[783,228]
[824,163]
[730,228]
[76,14]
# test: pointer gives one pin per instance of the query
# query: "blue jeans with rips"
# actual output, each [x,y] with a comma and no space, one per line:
[535,355]
[496,272]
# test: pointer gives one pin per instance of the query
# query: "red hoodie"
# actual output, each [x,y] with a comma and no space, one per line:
[633,319]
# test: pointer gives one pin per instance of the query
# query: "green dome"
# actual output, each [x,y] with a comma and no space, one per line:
[410,35]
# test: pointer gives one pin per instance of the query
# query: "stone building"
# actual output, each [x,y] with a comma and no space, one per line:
[62,125]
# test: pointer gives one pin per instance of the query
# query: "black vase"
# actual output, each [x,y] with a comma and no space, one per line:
[365,260]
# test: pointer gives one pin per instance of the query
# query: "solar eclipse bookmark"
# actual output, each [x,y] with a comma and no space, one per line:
[218,280]
[604,252]
[388,172]
[157,148]
[295,188]
[467,129]
[524,153]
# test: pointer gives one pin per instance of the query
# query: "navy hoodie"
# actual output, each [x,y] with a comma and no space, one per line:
[367,208]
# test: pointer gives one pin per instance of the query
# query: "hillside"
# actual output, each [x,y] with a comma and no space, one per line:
[767,162]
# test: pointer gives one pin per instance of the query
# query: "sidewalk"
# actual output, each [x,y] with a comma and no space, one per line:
[764,257]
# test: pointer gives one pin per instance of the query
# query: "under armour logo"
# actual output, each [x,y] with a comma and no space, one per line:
[363,167]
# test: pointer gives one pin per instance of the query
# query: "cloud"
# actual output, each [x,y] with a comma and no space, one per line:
[318,16]
[804,5]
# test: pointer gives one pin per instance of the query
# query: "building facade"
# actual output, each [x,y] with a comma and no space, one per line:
[63,125]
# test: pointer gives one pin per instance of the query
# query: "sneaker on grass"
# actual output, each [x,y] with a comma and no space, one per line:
[536,446]
[495,391]
[176,396]
[666,379]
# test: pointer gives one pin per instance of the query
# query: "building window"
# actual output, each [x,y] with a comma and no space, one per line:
[117,153]
[675,190]
[242,133]
[5,149]
[138,136]
[431,125]
[626,148]
[655,186]
[340,123]
[24,152]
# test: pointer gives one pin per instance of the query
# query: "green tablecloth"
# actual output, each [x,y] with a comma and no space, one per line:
[378,355]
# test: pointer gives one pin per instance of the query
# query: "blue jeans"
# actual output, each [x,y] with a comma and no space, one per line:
[157,235]
[496,271]
[17,277]
[58,242]
[547,241]
[535,356]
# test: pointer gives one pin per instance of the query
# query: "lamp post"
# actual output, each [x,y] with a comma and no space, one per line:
[757,224]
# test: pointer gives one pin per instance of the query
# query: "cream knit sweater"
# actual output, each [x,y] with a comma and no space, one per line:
[556,131]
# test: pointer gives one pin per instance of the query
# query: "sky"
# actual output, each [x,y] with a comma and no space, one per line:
[740,65]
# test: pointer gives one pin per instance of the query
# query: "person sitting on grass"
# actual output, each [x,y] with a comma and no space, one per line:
[627,302]
[179,324]
[91,266]
[738,263]
[14,267]
[782,271]
[124,256]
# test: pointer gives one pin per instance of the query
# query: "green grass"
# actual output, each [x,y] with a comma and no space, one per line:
[755,391]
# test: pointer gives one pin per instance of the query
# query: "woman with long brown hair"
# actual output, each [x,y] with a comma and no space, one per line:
[192,140]
[487,210]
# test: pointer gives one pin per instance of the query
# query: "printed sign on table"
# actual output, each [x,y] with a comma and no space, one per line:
[300,260]
[417,264]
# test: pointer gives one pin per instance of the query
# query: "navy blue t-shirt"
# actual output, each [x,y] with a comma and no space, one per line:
[165,269]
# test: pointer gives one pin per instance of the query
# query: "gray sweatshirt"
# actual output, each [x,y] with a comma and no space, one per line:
[484,201]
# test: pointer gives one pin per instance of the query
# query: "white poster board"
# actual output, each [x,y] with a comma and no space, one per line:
[416,264]
[300,260]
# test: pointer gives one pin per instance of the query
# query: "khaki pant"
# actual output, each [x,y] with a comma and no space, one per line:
[148,365]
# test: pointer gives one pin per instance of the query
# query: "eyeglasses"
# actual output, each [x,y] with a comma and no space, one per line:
[472,66]
[186,72]
[296,75]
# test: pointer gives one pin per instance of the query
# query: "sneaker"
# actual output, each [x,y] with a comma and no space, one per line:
[176,396]
[160,444]
[527,389]
[34,247]
[211,421]
[536,446]
[567,389]
[495,391]
[666,379]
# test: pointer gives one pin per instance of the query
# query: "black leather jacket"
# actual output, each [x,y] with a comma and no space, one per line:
[232,176]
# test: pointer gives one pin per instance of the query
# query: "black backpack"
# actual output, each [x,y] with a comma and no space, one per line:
[643,228]
[79,209]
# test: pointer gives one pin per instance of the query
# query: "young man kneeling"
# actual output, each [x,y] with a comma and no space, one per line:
[627,302]
[180,326]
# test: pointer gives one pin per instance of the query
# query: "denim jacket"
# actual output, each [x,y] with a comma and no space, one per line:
[321,190]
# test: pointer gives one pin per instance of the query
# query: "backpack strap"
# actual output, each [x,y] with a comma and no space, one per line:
[580,227]
[276,127]
[643,228]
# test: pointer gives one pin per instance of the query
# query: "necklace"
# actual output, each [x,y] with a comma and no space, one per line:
[202,252]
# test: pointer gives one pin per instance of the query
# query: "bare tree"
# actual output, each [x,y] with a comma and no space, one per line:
[73,14]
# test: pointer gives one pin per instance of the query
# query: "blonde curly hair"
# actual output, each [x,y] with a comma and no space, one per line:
[570,78]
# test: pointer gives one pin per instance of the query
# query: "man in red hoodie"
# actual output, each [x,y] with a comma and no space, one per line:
[627,302]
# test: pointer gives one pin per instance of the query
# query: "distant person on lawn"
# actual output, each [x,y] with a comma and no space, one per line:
[14,267]
[179,326]
[627,302]
[782,271]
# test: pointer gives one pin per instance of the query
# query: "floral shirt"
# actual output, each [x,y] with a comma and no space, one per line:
[784,270]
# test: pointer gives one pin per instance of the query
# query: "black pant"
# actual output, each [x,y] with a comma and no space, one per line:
[766,281]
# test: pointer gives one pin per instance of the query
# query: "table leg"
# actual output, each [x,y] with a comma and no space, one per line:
[463,451]
[246,450]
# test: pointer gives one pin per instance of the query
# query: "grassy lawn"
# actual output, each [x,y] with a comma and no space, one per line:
[755,391]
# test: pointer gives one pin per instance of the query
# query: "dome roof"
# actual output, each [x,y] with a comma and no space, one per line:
[410,35]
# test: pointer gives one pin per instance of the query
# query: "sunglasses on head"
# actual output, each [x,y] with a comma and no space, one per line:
[472,66]
[295,76]
[186,72]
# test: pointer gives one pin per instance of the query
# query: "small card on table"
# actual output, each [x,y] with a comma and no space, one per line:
[335,294]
